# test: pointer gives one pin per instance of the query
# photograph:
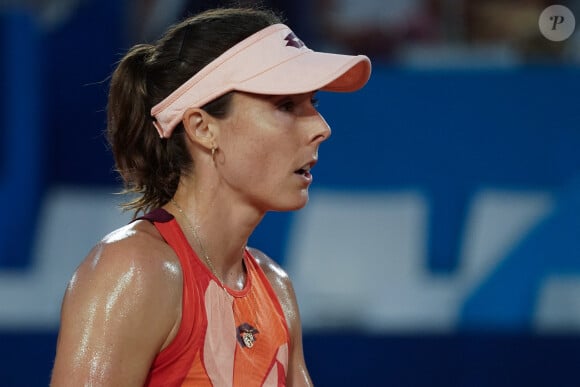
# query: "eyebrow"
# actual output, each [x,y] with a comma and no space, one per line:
[280,97]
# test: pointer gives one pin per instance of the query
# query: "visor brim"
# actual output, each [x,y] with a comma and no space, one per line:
[311,71]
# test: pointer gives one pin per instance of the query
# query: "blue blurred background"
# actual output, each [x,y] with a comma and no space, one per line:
[441,244]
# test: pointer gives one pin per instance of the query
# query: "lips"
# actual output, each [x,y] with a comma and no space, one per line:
[305,169]
[302,171]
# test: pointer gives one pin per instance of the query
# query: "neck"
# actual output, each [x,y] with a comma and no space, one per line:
[223,228]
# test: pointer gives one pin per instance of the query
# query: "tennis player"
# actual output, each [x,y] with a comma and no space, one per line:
[211,127]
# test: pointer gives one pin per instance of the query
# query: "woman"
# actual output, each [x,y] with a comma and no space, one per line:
[212,127]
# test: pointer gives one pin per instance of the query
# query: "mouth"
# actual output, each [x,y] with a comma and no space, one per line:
[305,170]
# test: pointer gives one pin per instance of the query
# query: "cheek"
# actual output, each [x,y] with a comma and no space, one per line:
[258,150]
[261,157]
[249,158]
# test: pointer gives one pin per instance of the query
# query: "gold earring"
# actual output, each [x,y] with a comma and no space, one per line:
[213,149]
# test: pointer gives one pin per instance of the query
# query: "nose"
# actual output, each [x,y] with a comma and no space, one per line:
[320,129]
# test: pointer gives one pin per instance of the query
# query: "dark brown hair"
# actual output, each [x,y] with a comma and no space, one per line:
[150,166]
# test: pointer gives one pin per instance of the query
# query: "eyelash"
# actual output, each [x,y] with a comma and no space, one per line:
[289,104]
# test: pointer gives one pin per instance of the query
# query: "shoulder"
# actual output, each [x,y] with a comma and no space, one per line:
[124,301]
[282,285]
[137,248]
[133,264]
[297,371]
[271,268]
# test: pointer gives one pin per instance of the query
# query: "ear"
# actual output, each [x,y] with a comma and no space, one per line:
[199,127]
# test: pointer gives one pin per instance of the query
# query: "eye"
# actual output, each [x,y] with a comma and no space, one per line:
[287,105]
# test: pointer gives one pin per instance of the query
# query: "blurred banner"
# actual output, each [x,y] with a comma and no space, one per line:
[440,247]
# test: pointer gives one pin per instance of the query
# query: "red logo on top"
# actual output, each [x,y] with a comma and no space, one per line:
[292,40]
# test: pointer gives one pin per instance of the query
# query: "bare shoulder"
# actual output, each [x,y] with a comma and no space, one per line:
[271,268]
[133,266]
[124,300]
[136,249]
[297,371]
[281,284]
[133,273]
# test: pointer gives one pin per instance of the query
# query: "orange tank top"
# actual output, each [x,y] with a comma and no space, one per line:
[226,337]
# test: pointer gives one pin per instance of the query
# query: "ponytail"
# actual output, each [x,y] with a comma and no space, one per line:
[150,166]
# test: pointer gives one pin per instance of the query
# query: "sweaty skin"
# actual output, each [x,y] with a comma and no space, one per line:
[119,310]
[123,305]
[102,340]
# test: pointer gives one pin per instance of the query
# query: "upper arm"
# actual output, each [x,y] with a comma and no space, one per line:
[118,311]
[280,281]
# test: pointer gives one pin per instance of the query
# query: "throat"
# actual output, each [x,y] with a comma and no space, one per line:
[236,278]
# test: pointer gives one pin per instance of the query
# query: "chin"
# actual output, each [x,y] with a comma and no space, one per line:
[292,205]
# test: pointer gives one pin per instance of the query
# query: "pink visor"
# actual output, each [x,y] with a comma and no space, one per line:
[272,61]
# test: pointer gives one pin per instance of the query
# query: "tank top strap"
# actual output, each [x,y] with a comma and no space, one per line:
[158,215]
[179,352]
[173,235]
